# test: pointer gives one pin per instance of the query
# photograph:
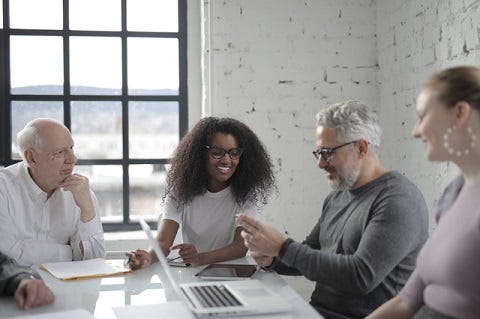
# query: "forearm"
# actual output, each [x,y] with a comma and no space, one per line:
[87,211]
[29,252]
[395,308]
[346,273]
[11,274]
[229,252]
[91,247]
[90,236]
[283,269]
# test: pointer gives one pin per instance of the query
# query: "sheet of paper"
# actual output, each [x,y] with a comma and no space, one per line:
[70,314]
[172,309]
[91,268]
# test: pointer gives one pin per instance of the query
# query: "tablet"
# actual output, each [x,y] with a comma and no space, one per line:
[226,272]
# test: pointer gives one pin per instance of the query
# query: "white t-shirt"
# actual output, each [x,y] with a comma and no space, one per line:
[208,221]
[34,229]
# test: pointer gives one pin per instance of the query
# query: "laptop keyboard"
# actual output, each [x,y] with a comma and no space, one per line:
[215,296]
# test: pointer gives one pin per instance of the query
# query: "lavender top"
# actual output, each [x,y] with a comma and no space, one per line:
[447,276]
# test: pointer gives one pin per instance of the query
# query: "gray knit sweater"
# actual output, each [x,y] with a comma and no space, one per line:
[363,248]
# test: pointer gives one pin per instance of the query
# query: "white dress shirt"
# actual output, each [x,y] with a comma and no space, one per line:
[34,229]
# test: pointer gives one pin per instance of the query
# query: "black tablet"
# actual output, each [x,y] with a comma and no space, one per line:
[227,272]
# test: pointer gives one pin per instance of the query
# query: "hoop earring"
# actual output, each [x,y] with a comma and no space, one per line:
[465,151]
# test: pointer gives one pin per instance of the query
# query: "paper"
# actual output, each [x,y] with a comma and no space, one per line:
[70,314]
[172,309]
[83,269]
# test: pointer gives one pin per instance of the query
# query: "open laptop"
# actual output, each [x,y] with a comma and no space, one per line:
[221,298]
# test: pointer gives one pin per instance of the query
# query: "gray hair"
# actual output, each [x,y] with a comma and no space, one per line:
[28,137]
[351,120]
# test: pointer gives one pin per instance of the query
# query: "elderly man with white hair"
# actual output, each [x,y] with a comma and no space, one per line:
[371,227]
[47,212]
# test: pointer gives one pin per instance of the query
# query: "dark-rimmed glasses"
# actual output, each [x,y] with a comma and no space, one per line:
[218,152]
[326,152]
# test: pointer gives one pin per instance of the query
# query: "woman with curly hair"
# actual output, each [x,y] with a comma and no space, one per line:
[219,169]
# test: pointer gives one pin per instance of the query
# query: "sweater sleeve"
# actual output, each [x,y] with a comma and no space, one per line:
[11,274]
[311,241]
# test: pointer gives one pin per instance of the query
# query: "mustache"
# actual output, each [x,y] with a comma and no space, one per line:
[329,169]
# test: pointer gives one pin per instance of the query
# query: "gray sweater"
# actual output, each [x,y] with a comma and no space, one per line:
[363,248]
[11,274]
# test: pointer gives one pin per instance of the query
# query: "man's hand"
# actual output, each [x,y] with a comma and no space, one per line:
[260,238]
[80,189]
[262,260]
[189,254]
[33,292]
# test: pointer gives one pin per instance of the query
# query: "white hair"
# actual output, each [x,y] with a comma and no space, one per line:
[27,138]
[351,121]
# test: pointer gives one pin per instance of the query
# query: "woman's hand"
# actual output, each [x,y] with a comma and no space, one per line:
[189,254]
[138,259]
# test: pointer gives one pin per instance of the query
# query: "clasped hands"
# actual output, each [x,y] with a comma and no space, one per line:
[264,242]
[140,258]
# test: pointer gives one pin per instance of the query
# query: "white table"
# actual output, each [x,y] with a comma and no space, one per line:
[143,287]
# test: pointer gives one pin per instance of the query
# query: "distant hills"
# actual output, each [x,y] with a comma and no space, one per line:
[99,116]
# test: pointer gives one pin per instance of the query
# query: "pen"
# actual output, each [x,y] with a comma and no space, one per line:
[173,259]
[127,260]
[176,258]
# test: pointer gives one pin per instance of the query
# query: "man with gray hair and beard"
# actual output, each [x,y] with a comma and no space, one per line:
[372,225]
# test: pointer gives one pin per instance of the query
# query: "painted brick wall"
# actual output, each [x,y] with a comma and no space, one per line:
[275,63]
[415,39]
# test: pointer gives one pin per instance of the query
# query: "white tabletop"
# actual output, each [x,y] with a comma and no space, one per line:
[100,296]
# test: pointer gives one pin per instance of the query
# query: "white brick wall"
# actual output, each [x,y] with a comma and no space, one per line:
[275,63]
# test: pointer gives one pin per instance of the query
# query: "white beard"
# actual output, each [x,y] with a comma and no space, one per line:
[346,181]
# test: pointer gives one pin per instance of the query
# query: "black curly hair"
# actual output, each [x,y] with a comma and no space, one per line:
[253,179]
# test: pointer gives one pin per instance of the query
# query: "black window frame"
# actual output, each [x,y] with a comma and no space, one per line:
[6,97]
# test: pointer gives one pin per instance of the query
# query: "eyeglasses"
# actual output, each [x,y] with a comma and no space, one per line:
[326,153]
[218,152]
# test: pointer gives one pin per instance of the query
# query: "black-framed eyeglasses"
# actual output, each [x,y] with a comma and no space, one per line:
[218,152]
[326,153]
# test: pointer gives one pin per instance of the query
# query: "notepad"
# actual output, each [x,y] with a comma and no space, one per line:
[83,269]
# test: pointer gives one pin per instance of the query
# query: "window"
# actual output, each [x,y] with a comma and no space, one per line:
[115,72]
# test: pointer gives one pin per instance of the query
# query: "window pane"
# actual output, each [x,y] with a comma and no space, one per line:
[147,187]
[97,129]
[36,64]
[153,66]
[25,111]
[159,138]
[1,14]
[36,14]
[152,15]
[106,182]
[95,15]
[95,65]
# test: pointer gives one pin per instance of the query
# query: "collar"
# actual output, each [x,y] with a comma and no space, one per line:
[33,190]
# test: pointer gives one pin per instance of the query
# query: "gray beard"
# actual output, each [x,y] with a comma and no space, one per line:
[346,181]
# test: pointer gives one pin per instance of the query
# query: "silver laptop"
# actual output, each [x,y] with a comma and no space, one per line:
[221,298]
